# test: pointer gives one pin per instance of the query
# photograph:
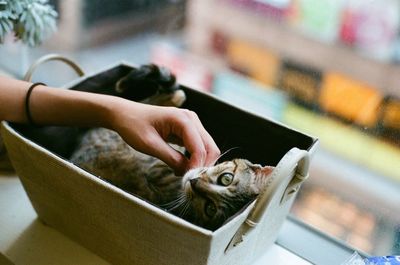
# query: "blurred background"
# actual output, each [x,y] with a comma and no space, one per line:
[329,68]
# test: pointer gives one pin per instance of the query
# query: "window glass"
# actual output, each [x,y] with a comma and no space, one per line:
[328,68]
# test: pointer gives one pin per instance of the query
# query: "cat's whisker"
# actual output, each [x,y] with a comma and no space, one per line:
[224,153]
[184,209]
[170,209]
[170,206]
[181,211]
[172,202]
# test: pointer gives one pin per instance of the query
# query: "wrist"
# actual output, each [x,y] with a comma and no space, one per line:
[106,108]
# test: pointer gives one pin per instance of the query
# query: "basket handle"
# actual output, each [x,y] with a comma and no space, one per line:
[52,57]
[295,160]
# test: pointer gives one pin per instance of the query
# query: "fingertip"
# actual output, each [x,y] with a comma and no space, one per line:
[173,158]
[213,156]
[198,158]
[215,151]
[178,162]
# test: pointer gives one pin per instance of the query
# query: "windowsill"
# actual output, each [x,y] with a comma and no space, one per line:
[313,245]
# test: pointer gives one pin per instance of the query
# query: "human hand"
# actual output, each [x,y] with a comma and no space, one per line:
[147,128]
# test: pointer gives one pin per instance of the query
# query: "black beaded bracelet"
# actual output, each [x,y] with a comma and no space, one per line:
[27,110]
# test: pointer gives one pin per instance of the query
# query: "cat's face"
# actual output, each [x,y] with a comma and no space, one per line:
[214,194]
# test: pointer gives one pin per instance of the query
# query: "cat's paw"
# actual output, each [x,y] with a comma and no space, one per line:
[174,99]
[178,98]
[151,84]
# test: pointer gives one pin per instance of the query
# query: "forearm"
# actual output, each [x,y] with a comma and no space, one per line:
[144,127]
[53,105]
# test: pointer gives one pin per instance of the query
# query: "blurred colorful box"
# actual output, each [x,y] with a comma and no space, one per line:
[318,18]
[389,119]
[250,95]
[189,70]
[371,26]
[346,140]
[253,60]
[272,8]
[301,82]
[219,42]
[391,113]
[350,99]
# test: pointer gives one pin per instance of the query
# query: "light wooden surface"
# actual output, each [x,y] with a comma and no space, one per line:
[26,240]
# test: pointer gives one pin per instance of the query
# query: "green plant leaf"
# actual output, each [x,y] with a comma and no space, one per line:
[31,20]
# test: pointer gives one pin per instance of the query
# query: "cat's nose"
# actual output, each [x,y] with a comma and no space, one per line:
[193,182]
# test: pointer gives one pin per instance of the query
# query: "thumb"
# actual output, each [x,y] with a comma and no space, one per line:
[173,158]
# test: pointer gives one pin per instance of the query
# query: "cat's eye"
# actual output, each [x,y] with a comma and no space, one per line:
[225,179]
[210,209]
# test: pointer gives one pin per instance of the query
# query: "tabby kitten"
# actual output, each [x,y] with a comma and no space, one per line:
[204,196]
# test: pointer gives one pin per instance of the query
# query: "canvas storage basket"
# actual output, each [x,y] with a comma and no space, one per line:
[124,229]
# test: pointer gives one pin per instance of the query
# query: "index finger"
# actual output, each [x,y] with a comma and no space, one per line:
[212,150]
[195,146]
[192,141]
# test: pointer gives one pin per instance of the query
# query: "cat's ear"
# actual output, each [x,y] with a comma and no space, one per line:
[260,170]
[266,170]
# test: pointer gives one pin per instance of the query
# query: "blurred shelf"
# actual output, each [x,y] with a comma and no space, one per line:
[352,170]
[208,16]
[351,203]
[81,27]
[357,184]
[360,147]
[347,141]
[350,162]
